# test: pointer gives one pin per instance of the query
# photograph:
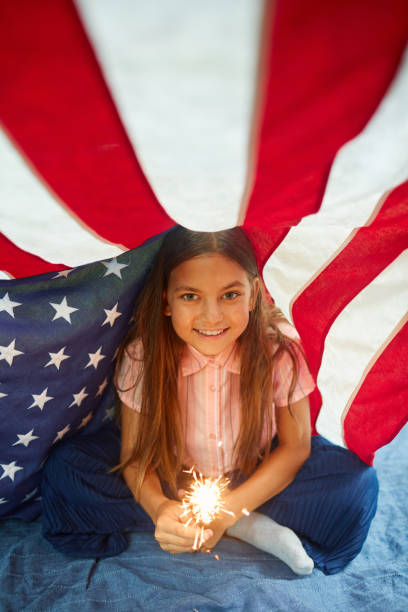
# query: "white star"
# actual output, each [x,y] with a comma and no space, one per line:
[63,311]
[79,397]
[62,274]
[10,469]
[57,358]
[111,315]
[25,438]
[40,400]
[3,395]
[94,358]
[8,352]
[61,433]
[7,305]
[3,500]
[114,267]
[109,414]
[102,387]
[85,420]
[30,495]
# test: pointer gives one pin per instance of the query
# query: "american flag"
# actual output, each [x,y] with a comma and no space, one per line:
[123,119]
[58,342]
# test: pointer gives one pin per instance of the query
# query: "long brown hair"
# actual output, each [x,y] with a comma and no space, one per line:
[159,441]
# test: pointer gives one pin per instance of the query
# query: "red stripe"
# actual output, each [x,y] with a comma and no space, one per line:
[56,106]
[15,261]
[380,408]
[329,65]
[264,241]
[371,250]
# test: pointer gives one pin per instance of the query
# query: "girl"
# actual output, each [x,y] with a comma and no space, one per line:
[210,376]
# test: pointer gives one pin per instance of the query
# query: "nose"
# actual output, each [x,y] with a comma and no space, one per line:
[212,312]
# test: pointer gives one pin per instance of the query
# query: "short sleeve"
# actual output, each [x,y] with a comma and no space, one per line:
[282,376]
[128,374]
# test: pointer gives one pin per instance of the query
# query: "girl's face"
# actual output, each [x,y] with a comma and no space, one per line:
[209,298]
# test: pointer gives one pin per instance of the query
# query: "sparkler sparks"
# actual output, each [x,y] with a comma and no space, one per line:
[204,502]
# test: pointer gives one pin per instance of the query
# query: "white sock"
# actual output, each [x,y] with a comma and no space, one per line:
[264,533]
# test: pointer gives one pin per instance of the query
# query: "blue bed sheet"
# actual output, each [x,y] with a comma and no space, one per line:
[35,578]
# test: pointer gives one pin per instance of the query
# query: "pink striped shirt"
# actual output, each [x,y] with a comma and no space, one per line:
[208,389]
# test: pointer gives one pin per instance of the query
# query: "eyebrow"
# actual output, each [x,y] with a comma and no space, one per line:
[194,290]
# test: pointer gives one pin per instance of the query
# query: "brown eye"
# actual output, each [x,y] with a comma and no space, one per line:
[189,297]
[230,295]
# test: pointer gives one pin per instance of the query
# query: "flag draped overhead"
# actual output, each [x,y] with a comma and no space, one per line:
[122,119]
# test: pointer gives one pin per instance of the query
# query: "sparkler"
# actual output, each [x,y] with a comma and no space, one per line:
[204,502]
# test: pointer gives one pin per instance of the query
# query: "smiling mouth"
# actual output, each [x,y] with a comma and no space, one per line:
[210,332]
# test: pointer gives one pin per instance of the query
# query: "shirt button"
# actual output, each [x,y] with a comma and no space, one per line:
[212,436]
[213,388]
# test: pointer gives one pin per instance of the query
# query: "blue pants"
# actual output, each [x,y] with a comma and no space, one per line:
[87,510]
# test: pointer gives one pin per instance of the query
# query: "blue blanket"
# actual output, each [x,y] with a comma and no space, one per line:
[33,577]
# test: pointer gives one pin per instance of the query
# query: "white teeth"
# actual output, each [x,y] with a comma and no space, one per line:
[210,333]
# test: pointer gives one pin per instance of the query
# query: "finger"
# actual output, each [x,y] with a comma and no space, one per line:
[169,539]
[201,539]
[211,541]
[176,550]
[171,544]
[179,538]
[170,525]
[182,544]
[186,531]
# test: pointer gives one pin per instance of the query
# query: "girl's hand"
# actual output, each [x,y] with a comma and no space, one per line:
[171,533]
[218,527]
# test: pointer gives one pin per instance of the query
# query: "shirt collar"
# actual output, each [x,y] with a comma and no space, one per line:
[193,361]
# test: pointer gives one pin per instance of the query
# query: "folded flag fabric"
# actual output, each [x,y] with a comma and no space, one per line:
[59,334]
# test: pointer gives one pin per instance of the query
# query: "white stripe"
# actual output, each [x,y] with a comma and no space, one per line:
[364,170]
[5,275]
[35,221]
[356,339]
[183,74]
